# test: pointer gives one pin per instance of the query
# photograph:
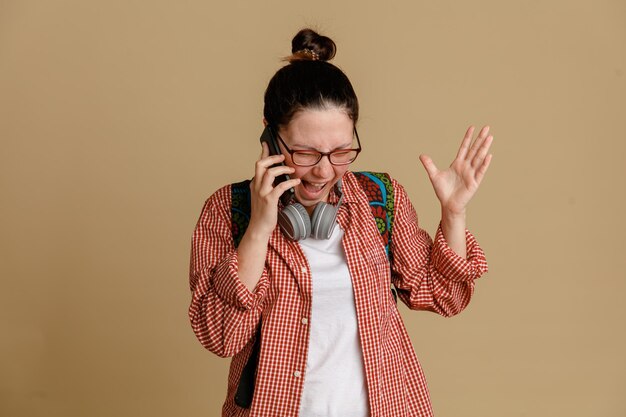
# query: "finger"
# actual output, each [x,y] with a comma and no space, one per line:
[480,172]
[271,174]
[264,154]
[429,165]
[465,143]
[264,163]
[279,170]
[270,160]
[477,143]
[482,152]
[284,186]
[265,150]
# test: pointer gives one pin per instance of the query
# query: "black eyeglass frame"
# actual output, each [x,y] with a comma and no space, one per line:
[322,154]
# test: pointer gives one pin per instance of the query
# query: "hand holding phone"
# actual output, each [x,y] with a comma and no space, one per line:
[269,137]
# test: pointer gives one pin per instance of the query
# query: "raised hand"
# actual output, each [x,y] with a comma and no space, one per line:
[456,185]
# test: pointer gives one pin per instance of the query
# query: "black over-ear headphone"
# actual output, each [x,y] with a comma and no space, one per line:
[293,219]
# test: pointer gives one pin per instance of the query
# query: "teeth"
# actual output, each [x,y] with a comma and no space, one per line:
[316,185]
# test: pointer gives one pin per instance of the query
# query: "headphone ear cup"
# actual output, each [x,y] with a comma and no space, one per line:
[294,221]
[323,221]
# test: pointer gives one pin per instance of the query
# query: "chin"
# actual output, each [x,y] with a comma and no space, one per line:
[310,203]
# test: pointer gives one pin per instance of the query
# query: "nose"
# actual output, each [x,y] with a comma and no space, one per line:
[323,168]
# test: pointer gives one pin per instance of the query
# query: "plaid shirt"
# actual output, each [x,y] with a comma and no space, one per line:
[224,314]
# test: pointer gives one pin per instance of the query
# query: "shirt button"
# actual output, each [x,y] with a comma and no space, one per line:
[303,269]
[305,320]
[297,374]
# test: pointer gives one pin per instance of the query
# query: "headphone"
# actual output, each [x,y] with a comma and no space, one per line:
[296,224]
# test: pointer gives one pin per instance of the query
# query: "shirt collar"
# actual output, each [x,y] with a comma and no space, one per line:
[348,182]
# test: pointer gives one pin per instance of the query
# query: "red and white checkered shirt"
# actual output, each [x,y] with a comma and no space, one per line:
[224,314]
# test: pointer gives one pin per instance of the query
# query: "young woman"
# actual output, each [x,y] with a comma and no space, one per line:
[331,340]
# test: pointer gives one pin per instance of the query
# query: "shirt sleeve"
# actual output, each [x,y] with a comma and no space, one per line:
[224,314]
[428,274]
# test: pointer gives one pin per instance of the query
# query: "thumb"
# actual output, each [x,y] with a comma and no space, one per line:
[264,150]
[429,165]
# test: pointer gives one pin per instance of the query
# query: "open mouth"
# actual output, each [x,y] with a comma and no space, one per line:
[313,188]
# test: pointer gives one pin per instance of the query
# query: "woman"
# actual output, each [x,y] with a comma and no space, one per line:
[332,342]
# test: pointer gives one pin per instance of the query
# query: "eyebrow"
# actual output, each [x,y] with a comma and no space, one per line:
[311,148]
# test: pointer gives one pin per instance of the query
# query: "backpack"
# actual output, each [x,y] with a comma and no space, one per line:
[379,191]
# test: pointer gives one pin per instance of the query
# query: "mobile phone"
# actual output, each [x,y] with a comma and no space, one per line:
[269,136]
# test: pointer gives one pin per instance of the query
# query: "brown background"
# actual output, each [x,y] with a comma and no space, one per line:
[118,118]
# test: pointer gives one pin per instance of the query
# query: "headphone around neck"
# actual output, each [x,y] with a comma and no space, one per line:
[295,223]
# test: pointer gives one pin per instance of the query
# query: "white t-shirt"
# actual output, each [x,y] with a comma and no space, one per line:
[334,380]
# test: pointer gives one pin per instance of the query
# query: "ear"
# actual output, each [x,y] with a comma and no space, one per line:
[264,122]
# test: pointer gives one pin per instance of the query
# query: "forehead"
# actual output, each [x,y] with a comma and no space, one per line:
[322,129]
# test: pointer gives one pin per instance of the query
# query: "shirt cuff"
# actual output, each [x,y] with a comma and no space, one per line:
[229,287]
[454,267]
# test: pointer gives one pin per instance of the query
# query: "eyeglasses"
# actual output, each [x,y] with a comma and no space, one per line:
[309,158]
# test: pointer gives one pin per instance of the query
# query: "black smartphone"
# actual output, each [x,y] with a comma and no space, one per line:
[269,137]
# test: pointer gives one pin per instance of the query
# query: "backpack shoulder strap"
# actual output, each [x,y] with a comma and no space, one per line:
[239,209]
[379,191]
[240,217]
[378,188]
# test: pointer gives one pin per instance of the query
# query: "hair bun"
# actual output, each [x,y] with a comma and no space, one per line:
[309,45]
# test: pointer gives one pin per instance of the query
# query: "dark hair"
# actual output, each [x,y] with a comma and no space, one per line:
[308,81]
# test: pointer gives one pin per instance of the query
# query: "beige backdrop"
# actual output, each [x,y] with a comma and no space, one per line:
[118,118]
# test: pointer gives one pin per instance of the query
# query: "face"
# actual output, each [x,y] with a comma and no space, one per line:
[322,130]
